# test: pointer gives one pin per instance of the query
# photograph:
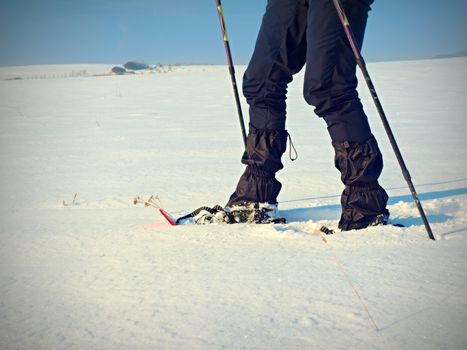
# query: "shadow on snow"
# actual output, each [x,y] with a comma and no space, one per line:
[332,212]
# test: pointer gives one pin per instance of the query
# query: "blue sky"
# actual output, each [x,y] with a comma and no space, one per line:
[187,31]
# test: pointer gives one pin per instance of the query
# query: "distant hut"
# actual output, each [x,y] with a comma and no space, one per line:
[132,65]
[118,70]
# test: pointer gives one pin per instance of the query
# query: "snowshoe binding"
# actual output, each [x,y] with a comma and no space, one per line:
[243,212]
[251,212]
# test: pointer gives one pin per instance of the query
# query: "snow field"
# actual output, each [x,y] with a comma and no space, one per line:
[100,273]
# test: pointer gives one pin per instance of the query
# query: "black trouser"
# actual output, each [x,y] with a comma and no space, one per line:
[297,31]
[294,32]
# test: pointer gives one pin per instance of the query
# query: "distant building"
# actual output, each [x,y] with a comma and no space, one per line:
[118,70]
[132,65]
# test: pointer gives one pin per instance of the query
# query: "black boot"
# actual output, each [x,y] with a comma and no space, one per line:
[363,199]
[263,159]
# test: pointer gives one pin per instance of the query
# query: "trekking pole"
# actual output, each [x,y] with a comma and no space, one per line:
[231,68]
[379,107]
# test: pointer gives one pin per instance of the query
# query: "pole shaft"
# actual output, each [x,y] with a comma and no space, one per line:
[379,107]
[231,69]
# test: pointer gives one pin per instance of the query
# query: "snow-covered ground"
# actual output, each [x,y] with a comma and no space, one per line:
[96,272]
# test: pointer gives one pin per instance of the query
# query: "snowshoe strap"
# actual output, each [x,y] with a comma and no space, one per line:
[212,210]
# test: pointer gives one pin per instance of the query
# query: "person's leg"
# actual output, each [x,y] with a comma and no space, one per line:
[279,53]
[331,86]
